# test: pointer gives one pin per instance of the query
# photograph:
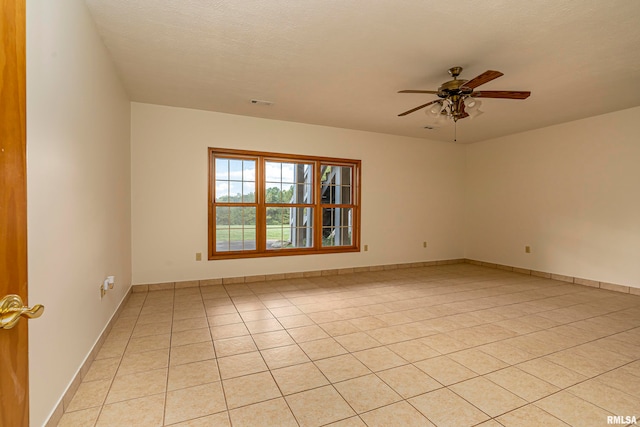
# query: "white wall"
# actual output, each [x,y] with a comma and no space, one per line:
[78,175]
[412,191]
[571,192]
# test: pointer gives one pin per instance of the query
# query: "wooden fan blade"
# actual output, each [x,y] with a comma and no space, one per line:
[417,108]
[483,78]
[507,94]
[418,91]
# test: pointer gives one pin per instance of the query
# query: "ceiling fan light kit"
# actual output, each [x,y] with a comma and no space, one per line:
[459,99]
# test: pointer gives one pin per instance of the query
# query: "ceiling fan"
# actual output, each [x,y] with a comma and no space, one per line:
[458,98]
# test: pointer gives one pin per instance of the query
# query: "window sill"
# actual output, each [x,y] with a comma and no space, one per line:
[281,252]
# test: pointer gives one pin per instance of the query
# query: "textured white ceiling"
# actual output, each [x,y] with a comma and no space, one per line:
[341,62]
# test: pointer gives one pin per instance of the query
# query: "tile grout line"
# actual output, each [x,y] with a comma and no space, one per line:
[215,355]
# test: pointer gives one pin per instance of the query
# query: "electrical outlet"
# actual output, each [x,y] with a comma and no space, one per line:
[527,249]
[366,248]
[424,244]
[198,256]
[106,285]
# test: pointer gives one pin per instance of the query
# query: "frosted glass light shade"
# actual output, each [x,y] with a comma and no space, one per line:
[471,103]
[472,107]
[435,109]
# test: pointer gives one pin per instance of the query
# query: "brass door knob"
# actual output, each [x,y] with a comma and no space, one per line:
[12,308]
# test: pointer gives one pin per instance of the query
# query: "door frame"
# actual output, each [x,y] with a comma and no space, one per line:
[14,370]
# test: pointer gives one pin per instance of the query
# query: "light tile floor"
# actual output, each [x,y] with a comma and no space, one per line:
[456,345]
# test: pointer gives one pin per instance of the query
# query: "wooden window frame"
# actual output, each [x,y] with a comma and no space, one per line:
[260,190]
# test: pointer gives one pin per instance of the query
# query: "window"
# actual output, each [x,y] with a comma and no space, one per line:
[268,204]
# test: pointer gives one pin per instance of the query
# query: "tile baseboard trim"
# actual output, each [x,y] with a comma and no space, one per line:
[560,277]
[67,396]
[332,272]
[281,276]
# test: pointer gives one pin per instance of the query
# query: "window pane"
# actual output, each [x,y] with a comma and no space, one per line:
[273,192]
[274,216]
[249,215]
[235,192]
[222,191]
[248,170]
[235,228]
[288,173]
[235,170]
[287,193]
[248,192]
[222,239]
[307,194]
[300,193]
[337,227]
[222,215]
[336,184]
[235,180]
[222,169]
[273,172]
[289,228]
[236,217]
[249,238]
[288,182]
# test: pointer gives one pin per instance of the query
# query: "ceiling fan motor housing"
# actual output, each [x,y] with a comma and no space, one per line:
[455,86]
[454,91]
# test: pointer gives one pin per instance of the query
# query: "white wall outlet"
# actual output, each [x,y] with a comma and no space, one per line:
[527,249]
[424,244]
[107,284]
[366,248]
